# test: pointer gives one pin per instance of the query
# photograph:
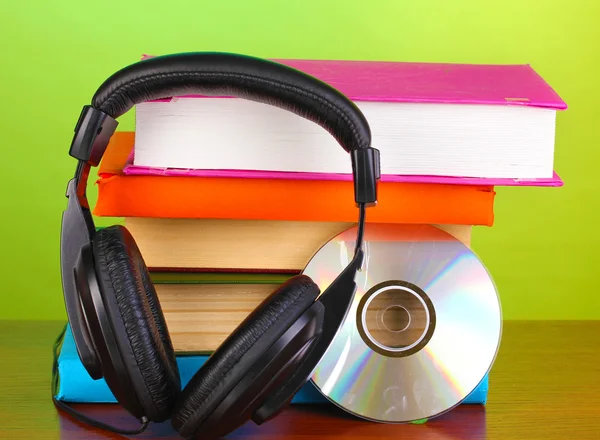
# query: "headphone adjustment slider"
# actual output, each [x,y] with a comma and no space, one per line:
[367,171]
[92,134]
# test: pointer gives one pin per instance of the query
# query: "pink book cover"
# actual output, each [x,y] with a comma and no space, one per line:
[386,81]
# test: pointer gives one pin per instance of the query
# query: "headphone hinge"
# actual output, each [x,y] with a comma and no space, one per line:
[367,170]
[92,134]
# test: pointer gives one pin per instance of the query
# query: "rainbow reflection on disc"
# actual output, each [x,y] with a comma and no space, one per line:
[423,329]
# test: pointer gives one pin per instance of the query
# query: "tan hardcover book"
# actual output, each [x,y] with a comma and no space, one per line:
[267,245]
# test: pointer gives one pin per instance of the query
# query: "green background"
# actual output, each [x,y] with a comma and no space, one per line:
[542,248]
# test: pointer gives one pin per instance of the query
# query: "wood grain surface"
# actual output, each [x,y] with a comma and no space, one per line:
[545,384]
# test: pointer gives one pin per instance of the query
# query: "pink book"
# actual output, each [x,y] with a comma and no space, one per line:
[407,82]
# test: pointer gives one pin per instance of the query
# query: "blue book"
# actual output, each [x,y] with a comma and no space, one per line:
[76,385]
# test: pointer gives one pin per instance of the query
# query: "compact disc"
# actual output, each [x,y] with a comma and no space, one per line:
[423,329]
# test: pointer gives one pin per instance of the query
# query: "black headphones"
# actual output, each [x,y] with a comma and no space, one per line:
[115,316]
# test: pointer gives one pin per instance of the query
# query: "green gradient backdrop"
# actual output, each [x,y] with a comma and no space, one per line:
[542,249]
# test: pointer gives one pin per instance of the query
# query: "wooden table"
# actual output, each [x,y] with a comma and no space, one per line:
[545,384]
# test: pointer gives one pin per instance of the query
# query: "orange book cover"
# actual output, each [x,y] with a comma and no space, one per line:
[278,199]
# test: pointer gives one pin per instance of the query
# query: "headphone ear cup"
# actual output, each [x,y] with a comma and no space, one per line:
[212,384]
[136,318]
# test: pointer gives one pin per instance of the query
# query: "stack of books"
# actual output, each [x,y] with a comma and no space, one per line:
[228,198]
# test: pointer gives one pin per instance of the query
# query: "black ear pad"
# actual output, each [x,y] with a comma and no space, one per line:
[137,319]
[227,365]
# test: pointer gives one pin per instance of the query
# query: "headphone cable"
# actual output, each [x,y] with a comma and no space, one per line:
[76,414]
[361,227]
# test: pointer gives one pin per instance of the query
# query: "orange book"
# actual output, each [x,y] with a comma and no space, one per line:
[278,199]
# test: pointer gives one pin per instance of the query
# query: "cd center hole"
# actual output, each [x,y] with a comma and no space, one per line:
[396,318]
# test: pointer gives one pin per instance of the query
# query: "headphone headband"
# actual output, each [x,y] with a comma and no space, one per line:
[242,76]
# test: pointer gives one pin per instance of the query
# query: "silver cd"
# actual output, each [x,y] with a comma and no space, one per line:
[423,329]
